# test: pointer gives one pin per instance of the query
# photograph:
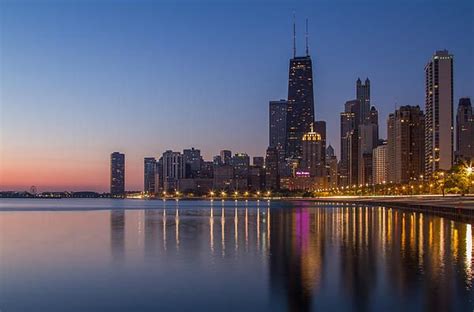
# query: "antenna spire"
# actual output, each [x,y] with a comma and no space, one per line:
[294,35]
[307,45]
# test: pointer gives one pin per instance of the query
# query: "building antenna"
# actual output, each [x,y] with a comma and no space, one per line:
[294,35]
[307,45]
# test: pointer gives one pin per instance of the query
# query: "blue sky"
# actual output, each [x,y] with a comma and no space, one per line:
[79,79]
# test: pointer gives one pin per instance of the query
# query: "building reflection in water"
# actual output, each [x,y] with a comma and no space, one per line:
[117,234]
[321,256]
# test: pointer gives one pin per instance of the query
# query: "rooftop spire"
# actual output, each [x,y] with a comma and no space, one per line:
[294,35]
[307,46]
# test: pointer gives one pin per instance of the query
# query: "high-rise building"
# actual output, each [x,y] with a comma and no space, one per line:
[277,126]
[278,129]
[241,164]
[259,161]
[272,176]
[320,127]
[330,151]
[312,151]
[379,164]
[117,174]
[347,121]
[349,165]
[405,144]
[300,112]
[226,156]
[363,95]
[439,113]
[217,160]
[149,168]
[465,130]
[173,170]
[368,140]
[331,167]
[192,160]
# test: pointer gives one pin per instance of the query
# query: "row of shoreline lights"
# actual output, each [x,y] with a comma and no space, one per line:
[469,170]
[222,194]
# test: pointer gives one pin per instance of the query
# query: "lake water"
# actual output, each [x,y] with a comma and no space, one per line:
[132,255]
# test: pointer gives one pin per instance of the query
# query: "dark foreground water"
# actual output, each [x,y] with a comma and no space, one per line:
[130,255]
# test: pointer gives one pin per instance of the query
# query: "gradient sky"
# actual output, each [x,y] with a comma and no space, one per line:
[81,79]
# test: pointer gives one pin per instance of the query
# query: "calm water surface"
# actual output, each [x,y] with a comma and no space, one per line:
[120,255]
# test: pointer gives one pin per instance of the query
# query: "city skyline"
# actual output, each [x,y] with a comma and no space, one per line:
[87,170]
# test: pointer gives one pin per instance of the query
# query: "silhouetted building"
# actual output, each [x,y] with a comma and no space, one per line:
[439,113]
[465,130]
[349,165]
[117,174]
[405,144]
[241,164]
[363,95]
[173,170]
[331,167]
[223,177]
[192,160]
[256,180]
[272,176]
[226,156]
[368,140]
[150,175]
[259,161]
[277,126]
[217,160]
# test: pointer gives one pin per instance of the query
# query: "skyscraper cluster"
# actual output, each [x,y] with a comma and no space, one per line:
[419,143]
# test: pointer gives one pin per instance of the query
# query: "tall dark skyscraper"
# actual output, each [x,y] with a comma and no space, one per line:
[465,130]
[149,175]
[300,114]
[363,95]
[117,174]
[277,118]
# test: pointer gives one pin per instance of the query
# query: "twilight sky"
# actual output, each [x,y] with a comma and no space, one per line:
[81,79]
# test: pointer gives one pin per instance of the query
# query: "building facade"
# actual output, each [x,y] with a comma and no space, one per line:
[465,130]
[439,113]
[379,164]
[173,170]
[117,174]
[312,151]
[405,131]
[149,175]
[300,111]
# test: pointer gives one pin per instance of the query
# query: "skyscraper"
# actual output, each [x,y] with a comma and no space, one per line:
[192,160]
[439,112]
[277,126]
[117,174]
[379,164]
[363,95]
[405,144]
[277,130]
[368,140]
[149,168]
[312,151]
[272,177]
[173,170]
[465,130]
[349,166]
[300,112]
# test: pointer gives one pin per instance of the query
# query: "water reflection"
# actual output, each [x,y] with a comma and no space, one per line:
[117,234]
[277,256]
